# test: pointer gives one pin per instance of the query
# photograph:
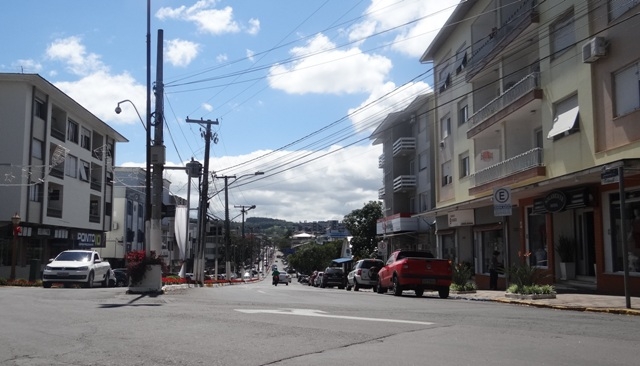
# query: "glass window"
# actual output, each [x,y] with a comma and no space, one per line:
[536,239]
[632,235]
[37,148]
[618,7]
[490,241]
[72,131]
[562,35]
[422,160]
[85,139]
[464,164]
[627,90]
[35,192]
[463,112]
[446,173]
[449,247]
[445,127]
[71,166]
[40,109]
[85,170]
[444,78]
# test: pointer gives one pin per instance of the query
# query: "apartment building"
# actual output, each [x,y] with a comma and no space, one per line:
[56,164]
[536,102]
[408,183]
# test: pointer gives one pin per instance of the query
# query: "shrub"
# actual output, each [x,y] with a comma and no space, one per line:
[525,279]
[137,262]
[462,273]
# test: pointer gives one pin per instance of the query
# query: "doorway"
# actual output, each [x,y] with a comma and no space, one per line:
[586,244]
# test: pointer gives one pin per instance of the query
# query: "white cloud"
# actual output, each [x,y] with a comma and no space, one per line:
[26,66]
[71,51]
[206,18]
[297,193]
[180,52]
[207,107]
[250,55]
[423,18]
[222,58]
[254,26]
[329,70]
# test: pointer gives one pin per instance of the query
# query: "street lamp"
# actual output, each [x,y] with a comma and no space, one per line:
[119,110]
[227,238]
[15,220]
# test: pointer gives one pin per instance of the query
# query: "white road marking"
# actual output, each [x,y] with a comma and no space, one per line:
[322,314]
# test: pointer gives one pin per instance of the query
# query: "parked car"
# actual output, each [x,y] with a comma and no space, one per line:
[284,278]
[415,270]
[364,274]
[119,278]
[333,276]
[318,280]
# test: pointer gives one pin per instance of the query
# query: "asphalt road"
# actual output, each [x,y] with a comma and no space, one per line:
[260,324]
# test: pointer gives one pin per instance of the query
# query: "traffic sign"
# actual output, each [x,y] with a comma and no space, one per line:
[502,201]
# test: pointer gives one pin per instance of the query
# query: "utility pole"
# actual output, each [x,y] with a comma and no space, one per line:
[147,183]
[244,210]
[157,156]
[204,200]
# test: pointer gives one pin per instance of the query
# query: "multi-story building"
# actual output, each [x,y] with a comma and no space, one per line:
[536,101]
[408,180]
[56,164]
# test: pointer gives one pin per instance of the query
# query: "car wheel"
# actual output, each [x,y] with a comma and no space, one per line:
[356,287]
[348,287]
[397,290]
[105,282]
[419,292]
[89,283]
[381,290]
[374,288]
[46,284]
[340,287]
[443,292]
[286,283]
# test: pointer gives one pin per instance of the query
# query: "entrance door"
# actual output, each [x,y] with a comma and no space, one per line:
[586,244]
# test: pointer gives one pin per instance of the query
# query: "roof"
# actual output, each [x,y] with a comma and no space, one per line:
[447,29]
[342,260]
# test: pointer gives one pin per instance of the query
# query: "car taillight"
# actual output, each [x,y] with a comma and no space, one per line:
[359,272]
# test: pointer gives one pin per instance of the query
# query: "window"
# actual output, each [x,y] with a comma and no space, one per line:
[536,239]
[412,167]
[618,7]
[444,78]
[463,112]
[565,118]
[71,166]
[37,148]
[627,90]
[72,131]
[445,127]
[461,58]
[562,34]
[422,160]
[424,202]
[537,138]
[464,165]
[85,170]
[422,122]
[412,204]
[40,109]
[490,241]
[446,173]
[35,192]
[85,139]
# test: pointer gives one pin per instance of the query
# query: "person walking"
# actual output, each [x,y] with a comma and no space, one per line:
[493,271]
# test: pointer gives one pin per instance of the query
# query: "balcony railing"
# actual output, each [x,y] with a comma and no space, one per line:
[54,212]
[521,88]
[57,133]
[404,145]
[404,182]
[501,37]
[57,171]
[94,218]
[527,160]
[381,161]
[95,185]
[381,193]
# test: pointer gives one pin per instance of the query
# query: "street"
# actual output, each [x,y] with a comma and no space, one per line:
[260,324]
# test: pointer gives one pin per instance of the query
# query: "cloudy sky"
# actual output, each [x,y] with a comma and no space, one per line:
[297,86]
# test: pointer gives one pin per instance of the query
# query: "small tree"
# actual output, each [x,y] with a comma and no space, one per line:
[361,224]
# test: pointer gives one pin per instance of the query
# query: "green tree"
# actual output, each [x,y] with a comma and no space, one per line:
[315,257]
[361,223]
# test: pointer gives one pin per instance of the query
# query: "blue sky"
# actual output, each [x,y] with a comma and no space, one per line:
[297,86]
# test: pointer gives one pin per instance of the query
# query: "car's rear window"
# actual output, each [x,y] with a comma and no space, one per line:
[333,270]
[369,264]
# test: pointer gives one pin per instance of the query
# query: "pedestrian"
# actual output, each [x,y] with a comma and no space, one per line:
[493,271]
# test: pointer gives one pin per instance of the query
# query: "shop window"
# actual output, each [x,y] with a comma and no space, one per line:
[631,234]
[536,239]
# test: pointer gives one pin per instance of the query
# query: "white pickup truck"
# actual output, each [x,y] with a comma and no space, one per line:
[76,266]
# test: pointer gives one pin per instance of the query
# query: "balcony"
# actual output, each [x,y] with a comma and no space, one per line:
[381,161]
[95,185]
[514,98]
[404,145]
[520,167]
[500,38]
[54,212]
[57,171]
[57,133]
[381,193]
[404,182]
[94,218]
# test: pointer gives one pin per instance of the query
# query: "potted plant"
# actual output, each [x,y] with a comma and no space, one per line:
[566,248]
[461,278]
[145,272]
[526,281]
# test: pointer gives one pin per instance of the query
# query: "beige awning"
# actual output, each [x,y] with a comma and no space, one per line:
[564,122]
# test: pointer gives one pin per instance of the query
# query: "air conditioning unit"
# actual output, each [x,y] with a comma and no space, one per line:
[594,49]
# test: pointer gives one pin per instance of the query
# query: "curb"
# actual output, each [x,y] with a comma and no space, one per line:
[619,311]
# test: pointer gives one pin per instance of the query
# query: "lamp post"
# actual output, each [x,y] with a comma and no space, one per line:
[15,220]
[227,238]
[244,210]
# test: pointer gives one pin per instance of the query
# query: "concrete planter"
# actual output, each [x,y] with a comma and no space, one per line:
[567,270]
[463,292]
[150,283]
[510,295]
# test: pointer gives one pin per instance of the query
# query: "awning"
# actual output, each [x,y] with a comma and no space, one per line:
[564,122]
[342,260]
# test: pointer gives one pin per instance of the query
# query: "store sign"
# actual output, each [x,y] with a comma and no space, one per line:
[555,201]
[89,239]
[461,218]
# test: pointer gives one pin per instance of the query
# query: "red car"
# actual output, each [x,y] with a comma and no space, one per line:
[417,271]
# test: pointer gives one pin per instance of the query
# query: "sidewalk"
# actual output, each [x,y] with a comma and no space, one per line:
[563,301]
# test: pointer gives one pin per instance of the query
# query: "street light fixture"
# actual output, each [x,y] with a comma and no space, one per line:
[15,220]
[119,110]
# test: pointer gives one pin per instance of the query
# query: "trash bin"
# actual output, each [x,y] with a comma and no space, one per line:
[34,270]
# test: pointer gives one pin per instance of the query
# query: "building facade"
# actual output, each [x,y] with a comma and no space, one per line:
[56,160]
[536,102]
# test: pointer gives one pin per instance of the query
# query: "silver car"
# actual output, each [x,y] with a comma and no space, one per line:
[364,274]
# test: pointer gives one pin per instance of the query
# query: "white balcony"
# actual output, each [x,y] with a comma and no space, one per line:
[519,163]
[381,193]
[404,145]
[404,182]
[381,161]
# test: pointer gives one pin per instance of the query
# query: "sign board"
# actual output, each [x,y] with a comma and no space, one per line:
[461,218]
[502,201]
[609,176]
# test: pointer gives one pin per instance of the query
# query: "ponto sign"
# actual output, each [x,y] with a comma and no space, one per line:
[502,201]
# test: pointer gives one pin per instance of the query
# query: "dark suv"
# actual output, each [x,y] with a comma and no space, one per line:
[333,276]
